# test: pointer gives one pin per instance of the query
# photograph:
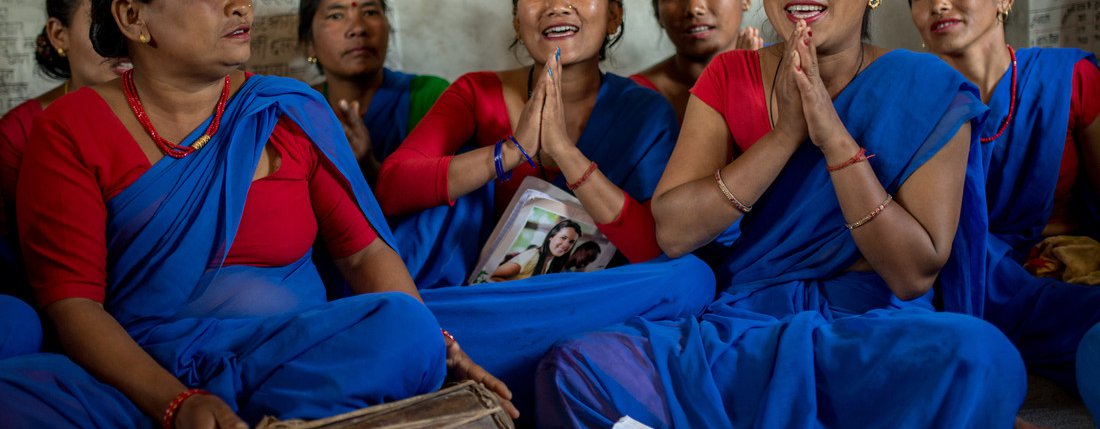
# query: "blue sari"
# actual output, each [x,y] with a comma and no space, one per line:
[1046,318]
[792,331]
[506,327]
[265,340]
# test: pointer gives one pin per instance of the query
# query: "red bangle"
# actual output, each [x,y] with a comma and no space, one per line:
[448,336]
[584,177]
[169,419]
[859,157]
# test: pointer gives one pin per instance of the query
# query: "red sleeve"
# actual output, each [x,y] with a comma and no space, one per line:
[634,231]
[414,177]
[342,224]
[61,213]
[735,77]
[15,129]
[640,79]
[1085,101]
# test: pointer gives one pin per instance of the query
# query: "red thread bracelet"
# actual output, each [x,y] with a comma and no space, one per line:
[584,177]
[859,157]
[169,420]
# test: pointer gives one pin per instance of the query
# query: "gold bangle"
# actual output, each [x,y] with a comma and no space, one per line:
[872,214]
[736,203]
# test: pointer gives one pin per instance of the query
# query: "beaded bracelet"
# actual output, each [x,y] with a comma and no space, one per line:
[870,215]
[584,177]
[859,157]
[448,336]
[169,419]
[736,203]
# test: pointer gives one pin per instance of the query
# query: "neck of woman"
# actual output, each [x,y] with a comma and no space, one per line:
[984,62]
[359,87]
[176,98]
[684,70]
[838,68]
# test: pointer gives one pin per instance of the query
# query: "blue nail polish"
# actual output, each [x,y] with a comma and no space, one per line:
[549,71]
[557,55]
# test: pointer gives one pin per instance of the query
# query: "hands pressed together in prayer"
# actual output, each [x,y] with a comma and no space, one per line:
[805,107]
[542,128]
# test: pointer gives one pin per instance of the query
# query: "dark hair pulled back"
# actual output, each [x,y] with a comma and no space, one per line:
[50,62]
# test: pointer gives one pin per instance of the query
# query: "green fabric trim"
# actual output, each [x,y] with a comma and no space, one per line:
[423,91]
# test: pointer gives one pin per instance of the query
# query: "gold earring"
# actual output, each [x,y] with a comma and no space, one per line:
[143,38]
[61,52]
[873,4]
[311,59]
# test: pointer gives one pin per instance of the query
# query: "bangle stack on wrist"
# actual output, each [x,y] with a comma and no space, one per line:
[498,157]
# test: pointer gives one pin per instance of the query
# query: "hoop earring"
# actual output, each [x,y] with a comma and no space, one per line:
[61,52]
[873,4]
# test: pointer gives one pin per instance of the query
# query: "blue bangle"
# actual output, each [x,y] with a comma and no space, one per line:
[530,161]
[498,161]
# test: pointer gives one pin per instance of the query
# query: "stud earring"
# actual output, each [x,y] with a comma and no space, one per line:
[311,59]
[143,38]
[873,4]
[61,52]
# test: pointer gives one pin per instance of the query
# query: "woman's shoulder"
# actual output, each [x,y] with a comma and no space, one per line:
[23,113]
[625,93]
[83,106]
[484,79]
[914,63]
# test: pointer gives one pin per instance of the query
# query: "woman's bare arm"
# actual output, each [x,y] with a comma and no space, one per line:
[95,340]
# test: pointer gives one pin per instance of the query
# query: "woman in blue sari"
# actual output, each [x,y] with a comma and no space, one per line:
[597,134]
[827,251]
[1041,145]
[348,41]
[157,262]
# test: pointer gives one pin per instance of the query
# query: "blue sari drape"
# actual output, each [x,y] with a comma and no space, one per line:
[387,117]
[794,341]
[263,339]
[1046,318]
[506,327]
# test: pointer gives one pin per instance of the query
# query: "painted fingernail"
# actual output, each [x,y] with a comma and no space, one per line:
[798,69]
[810,32]
[557,55]
[806,41]
[549,71]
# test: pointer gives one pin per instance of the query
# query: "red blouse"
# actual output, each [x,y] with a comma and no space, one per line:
[80,156]
[15,129]
[414,177]
[733,85]
[1084,105]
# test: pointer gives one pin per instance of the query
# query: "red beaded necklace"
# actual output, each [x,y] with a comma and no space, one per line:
[171,149]
[1011,100]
